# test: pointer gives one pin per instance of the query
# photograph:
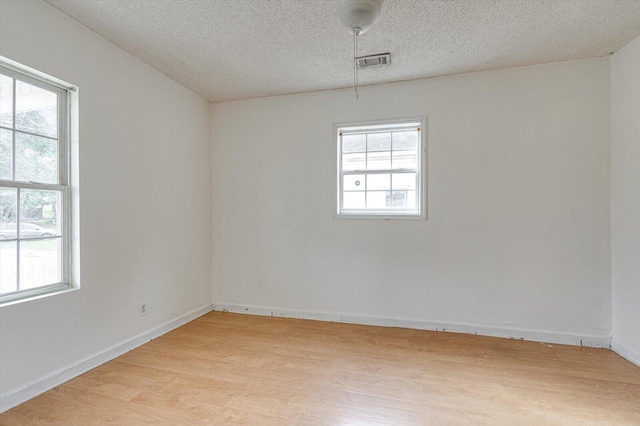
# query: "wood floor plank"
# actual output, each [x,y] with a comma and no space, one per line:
[247,370]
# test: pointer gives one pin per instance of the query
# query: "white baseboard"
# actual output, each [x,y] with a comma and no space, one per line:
[31,390]
[591,340]
[624,351]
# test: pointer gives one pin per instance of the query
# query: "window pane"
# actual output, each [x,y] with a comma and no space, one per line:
[40,262]
[403,199]
[353,200]
[378,160]
[379,142]
[8,213]
[8,266]
[405,140]
[378,182]
[405,159]
[36,110]
[354,161]
[6,153]
[412,200]
[39,212]
[378,199]
[354,143]
[6,101]
[36,159]
[353,183]
[404,181]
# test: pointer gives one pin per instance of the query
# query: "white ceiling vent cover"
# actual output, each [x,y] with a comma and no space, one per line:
[374,60]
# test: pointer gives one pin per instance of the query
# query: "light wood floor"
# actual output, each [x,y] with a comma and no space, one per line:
[238,369]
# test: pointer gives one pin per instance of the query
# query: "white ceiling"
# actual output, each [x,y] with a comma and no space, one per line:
[237,49]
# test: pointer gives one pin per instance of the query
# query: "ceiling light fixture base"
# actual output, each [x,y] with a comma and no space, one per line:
[359,14]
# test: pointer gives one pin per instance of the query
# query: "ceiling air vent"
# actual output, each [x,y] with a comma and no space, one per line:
[374,60]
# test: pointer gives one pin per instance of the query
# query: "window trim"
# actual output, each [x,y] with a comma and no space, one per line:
[66,94]
[384,125]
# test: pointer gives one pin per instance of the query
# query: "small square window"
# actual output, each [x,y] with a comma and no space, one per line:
[380,169]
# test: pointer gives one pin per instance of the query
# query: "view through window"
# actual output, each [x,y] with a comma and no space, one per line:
[380,169]
[34,190]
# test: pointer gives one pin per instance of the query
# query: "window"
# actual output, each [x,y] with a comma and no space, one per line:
[35,199]
[380,169]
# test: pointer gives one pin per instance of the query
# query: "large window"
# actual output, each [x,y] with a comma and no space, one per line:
[380,169]
[34,185]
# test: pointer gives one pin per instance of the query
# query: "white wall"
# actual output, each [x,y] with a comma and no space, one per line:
[517,240]
[518,230]
[625,199]
[145,199]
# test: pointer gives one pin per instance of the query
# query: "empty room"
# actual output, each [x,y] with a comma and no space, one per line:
[320,212]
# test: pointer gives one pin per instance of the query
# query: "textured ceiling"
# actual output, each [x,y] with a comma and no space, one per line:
[236,49]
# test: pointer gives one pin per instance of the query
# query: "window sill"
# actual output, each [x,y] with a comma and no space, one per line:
[61,290]
[379,217]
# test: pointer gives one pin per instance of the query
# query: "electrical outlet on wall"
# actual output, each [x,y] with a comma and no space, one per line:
[142,309]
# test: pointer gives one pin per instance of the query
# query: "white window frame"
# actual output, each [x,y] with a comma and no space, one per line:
[340,129]
[67,107]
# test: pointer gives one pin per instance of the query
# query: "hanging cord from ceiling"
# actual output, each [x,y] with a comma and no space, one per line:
[357,16]
[356,31]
